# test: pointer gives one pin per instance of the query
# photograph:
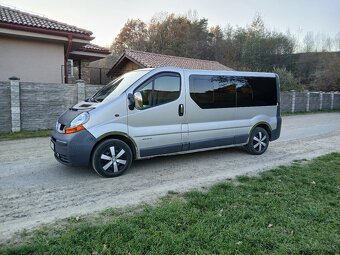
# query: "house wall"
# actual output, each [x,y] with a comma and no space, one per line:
[31,60]
[125,67]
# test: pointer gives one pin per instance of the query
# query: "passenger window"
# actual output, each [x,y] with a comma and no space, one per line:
[264,90]
[224,91]
[213,91]
[202,91]
[160,90]
[244,93]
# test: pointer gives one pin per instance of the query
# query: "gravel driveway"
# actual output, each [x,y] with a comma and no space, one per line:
[35,188]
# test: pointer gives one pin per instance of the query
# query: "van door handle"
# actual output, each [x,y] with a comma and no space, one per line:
[181,110]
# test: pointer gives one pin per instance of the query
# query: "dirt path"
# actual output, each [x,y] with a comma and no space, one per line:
[36,189]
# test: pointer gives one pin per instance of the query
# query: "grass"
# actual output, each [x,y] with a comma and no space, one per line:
[289,210]
[24,134]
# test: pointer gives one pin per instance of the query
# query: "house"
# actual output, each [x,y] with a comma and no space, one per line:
[38,49]
[132,60]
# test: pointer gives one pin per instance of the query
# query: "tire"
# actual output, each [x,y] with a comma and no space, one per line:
[258,141]
[111,158]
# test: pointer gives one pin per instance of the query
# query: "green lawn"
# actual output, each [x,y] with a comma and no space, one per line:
[289,210]
[24,134]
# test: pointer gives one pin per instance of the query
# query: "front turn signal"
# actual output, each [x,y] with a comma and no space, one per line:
[74,129]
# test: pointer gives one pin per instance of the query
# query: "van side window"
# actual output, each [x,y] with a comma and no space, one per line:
[213,91]
[244,93]
[264,89]
[160,90]
[230,91]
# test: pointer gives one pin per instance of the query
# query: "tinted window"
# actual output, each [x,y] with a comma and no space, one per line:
[202,91]
[229,91]
[160,90]
[264,90]
[213,91]
[224,91]
[244,92]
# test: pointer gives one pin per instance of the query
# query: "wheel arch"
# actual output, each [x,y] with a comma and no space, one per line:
[120,136]
[265,126]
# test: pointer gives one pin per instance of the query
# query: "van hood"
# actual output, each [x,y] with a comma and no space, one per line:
[83,106]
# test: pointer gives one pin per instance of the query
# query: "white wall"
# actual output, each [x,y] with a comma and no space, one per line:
[30,60]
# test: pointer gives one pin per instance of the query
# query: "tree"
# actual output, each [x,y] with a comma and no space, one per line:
[287,80]
[309,42]
[327,74]
[133,35]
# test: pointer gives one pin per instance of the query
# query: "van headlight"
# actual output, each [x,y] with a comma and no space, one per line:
[77,123]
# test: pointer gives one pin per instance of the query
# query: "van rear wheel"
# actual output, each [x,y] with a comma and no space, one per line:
[111,158]
[258,141]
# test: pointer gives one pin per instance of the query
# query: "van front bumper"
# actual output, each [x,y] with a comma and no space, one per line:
[73,149]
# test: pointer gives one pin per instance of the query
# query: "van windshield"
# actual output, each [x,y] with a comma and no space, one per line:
[117,86]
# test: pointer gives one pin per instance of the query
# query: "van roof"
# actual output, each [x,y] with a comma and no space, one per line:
[210,72]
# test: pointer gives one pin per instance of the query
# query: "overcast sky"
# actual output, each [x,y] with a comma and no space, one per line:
[106,17]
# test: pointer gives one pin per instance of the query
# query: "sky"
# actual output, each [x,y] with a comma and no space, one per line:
[105,18]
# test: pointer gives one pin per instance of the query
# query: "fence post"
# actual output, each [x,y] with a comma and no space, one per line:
[15,103]
[321,100]
[80,90]
[308,100]
[332,100]
[293,100]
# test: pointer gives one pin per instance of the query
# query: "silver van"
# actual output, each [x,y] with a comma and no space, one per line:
[166,110]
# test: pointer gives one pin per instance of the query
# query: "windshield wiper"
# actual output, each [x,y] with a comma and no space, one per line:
[92,99]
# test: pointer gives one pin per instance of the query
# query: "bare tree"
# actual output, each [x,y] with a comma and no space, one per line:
[309,42]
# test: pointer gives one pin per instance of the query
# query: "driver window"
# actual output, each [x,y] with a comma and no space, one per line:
[160,90]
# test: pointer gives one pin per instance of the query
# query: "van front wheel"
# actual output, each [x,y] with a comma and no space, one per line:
[111,158]
[258,141]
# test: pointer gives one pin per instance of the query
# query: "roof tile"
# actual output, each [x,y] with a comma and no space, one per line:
[13,16]
[148,59]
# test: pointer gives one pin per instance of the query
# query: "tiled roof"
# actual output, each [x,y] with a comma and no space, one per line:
[95,48]
[16,17]
[148,59]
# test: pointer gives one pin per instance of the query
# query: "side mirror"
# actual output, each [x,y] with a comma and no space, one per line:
[138,100]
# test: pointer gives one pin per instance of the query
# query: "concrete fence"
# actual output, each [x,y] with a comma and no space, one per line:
[34,106]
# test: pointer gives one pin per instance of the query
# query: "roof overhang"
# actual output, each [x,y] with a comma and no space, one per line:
[43,31]
[47,37]
[87,55]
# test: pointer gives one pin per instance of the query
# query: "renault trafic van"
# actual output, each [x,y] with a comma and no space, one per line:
[166,110]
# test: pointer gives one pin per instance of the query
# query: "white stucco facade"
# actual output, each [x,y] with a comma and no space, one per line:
[31,60]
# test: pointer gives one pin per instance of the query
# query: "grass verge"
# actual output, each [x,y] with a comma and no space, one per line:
[289,210]
[24,134]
